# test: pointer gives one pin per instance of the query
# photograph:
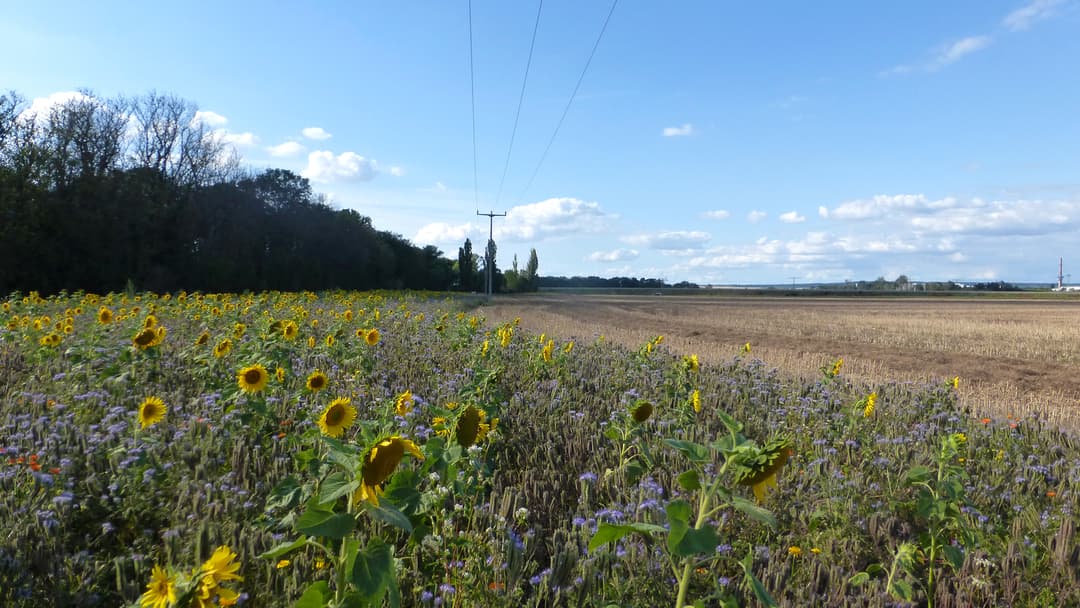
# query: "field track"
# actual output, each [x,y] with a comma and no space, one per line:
[1015,357]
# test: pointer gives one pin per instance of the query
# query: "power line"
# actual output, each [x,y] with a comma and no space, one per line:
[521,99]
[571,101]
[489,262]
[472,103]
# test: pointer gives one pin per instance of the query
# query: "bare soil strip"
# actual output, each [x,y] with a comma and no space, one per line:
[1014,357]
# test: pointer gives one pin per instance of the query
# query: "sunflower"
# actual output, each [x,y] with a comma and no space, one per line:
[150,322]
[145,339]
[311,342]
[220,568]
[222,348]
[279,373]
[548,349]
[337,417]
[104,316]
[691,364]
[695,400]
[757,467]
[253,378]
[380,463]
[468,430]
[372,337]
[290,330]
[151,411]
[160,591]
[203,338]
[871,400]
[239,329]
[316,381]
[52,339]
[404,403]
[641,411]
[330,340]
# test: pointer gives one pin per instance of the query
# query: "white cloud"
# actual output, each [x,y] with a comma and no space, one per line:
[943,56]
[316,133]
[442,233]
[238,139]
[756,216]
[792,217]
[1036,10]
[885,205]
[683,131]
[676,240]
[324,166]
[718,214]
[208,118]
[823,211]
[41,106]
[553,217]
[618,255]
[440,187]
[286,150]
[396,171]
[958,49]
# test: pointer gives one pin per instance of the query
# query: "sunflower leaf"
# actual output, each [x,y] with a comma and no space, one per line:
[694,451]
[319,521]
[753,511]
[678,515]
[698,541]
[373,571]
[389,514]
[335,486]
[284,548]
[315,596]
[760,592]
[609,533]
[689,480]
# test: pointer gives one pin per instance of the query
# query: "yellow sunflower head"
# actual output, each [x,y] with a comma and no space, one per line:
[150,322]
[316,381]
[151,411]
[222,348]
[404,403]
[380,463]
[372,337]
[279,373]
[105,316]
[160,591]
[290,330]
[203,338]
[253,378]
[337,417]
[145,339]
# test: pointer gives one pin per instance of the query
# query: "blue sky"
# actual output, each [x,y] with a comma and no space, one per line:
[716,142]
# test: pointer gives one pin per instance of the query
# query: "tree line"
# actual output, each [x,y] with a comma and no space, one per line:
[99,194]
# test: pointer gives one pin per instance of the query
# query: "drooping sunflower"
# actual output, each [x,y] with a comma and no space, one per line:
[695,400]
[548,349]
[871,401]
[372,337]
[641,411]
[203,338]
[145,339]
[337,417]
[104,316]
[380,463]
[160,591]
[691,363]
[253,378]
[757,467]
[151,411]
[222,348]
[316,381]
[467,432]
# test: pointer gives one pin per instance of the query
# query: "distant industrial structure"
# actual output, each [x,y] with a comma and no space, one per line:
[1061,286]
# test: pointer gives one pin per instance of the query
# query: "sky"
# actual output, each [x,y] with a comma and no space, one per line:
[714,142]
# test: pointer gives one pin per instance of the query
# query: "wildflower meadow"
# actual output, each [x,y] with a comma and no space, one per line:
[348,449]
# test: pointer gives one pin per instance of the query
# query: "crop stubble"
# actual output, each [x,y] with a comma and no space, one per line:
[1015,357]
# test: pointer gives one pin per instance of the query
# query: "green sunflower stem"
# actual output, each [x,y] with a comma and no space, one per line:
[703,512]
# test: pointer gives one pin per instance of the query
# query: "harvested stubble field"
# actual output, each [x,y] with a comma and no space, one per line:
[1015,357]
